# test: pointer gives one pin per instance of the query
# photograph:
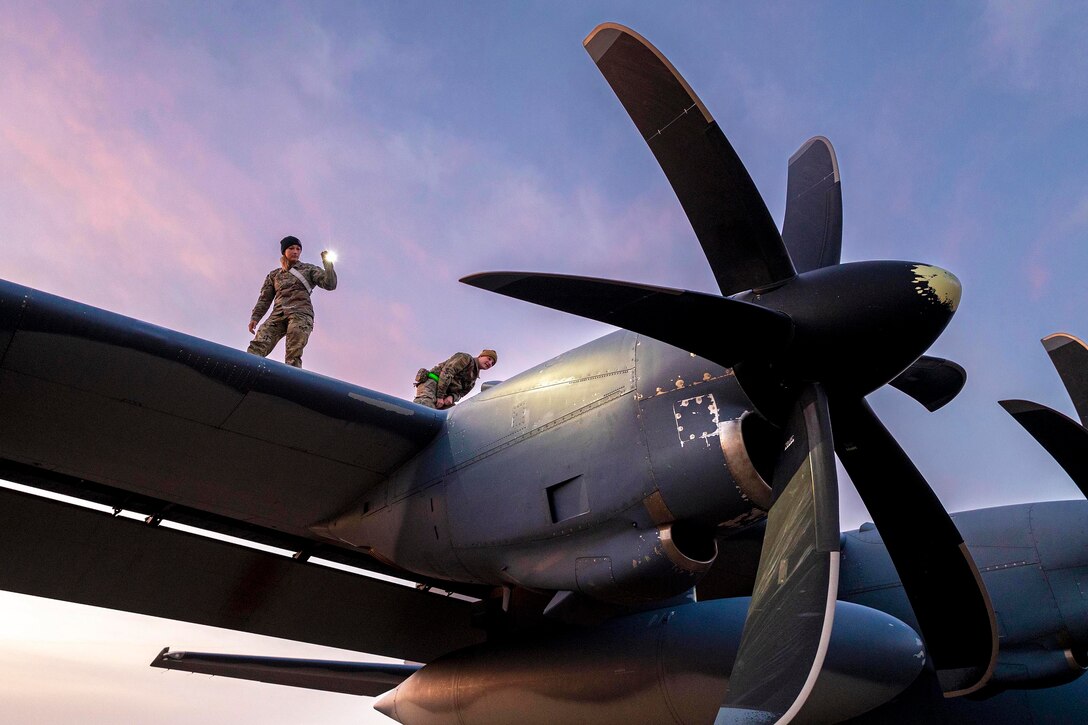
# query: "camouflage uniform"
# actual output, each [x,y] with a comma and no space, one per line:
[293,313]
[456,376]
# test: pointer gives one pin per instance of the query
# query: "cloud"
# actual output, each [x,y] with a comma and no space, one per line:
[1013,36]
[1023,46]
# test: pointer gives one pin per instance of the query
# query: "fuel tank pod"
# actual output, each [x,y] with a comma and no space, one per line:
[669,665]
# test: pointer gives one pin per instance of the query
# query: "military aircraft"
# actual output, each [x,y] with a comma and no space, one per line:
[642,529]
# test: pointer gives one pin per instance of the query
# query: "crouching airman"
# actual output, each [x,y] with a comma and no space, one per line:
[447,382]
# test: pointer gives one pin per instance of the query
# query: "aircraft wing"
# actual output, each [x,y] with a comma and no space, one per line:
[74,554]
[141,418]
[157,414]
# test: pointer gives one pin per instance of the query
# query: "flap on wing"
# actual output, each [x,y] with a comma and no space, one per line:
[57,550]
[123,403]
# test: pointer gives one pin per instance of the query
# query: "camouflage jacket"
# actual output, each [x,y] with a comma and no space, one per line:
[456,376]
[290,295]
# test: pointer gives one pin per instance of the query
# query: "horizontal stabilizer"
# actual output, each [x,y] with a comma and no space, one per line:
[1061,436]
[932,381]
[677,317]
[350,678]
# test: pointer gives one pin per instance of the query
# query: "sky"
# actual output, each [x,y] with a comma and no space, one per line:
[154,153]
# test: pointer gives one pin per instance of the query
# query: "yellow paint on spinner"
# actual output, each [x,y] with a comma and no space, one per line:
[940,282]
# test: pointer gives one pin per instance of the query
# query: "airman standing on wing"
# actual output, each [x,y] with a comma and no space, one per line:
[290,285]
[447,382]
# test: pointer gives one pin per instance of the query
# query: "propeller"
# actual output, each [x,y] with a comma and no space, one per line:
[932,381]
[1063,438]
[1069,356]
[789,620]
[807,338]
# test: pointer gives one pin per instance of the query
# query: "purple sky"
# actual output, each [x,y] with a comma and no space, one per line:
[154,153]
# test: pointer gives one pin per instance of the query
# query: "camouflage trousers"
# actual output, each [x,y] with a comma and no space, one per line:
[427,393]
[296,328]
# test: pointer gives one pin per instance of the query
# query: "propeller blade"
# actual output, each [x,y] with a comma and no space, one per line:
[812,229]
[676,317]
[789,619]
[729,217]
[932,381]
[1062,437]
[1070,358]
[939,576]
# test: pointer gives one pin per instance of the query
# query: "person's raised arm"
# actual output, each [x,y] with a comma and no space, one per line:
[325,279]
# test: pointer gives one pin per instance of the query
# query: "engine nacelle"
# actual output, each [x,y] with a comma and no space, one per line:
[1030,667]
[638,565]
[669,665]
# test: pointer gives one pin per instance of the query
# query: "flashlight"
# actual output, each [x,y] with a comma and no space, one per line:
[330,256]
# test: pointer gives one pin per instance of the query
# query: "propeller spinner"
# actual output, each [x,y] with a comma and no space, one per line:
[808,339]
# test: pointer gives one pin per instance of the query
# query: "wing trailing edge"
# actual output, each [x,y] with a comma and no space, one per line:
[75,554]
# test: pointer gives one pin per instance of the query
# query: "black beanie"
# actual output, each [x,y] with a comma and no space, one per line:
[288,242]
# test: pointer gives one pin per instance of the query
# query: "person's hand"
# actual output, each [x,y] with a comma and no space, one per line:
[252,326]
